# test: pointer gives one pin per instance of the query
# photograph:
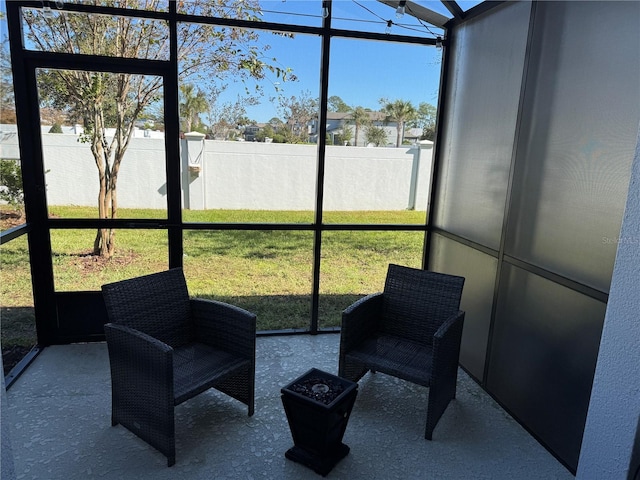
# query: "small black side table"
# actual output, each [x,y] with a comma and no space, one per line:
[318,406]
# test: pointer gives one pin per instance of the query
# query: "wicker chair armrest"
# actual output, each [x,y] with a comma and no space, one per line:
[446,343]
[133,354]
[224,326]
[360,320]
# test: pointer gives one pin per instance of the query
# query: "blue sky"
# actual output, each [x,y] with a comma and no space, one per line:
[361,72]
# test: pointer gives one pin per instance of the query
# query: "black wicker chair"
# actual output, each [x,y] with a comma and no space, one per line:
[411,331]
[165,348]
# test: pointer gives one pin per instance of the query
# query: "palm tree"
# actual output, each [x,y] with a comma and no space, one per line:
[400,111]
[192,105]
[376,135]
[360,117]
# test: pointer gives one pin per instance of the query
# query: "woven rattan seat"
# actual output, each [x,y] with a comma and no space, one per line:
[165,348]
[412,330]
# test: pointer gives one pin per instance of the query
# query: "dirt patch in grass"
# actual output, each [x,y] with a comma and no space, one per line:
[10,219]
[88,263]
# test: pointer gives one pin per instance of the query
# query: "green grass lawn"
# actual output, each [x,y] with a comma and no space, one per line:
[268,272]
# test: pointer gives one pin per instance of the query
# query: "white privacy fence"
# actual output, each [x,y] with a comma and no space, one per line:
[241,175]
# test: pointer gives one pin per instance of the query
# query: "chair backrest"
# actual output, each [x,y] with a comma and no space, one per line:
[156,304]
[416,302]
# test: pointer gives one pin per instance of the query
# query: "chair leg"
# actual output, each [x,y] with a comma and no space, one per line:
[352,371]
[428,433]
[168,449]
[431,424]
[252,390]
[114,420]
[439,399]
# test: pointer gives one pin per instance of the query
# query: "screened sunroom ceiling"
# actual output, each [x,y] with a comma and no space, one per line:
[437,13]
[414,18]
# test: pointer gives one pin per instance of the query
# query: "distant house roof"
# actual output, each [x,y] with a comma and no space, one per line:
[374,116]
[338,115]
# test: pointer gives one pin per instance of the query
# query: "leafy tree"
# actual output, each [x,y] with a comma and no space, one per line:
[192,104]
[11,184]
[274,130]
[400,111]
[276,123]
[298,112]
[336,104]
[227,119]
[376,135]
[345,136]
[8,110]
[99,100]
[55,128]
[275,135]
[266,131]
[426,120]
[360,118]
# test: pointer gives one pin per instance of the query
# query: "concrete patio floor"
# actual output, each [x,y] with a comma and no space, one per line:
[59,421]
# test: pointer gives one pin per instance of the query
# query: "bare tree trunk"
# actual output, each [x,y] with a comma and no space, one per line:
[113,200]
[102,245]
[105,242]
[98,153]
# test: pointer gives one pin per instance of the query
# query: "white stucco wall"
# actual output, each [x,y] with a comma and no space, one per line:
[614,408]
[375,179]
[272,176]
[72,175]
[240,175]
[9,142]
[262,176]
